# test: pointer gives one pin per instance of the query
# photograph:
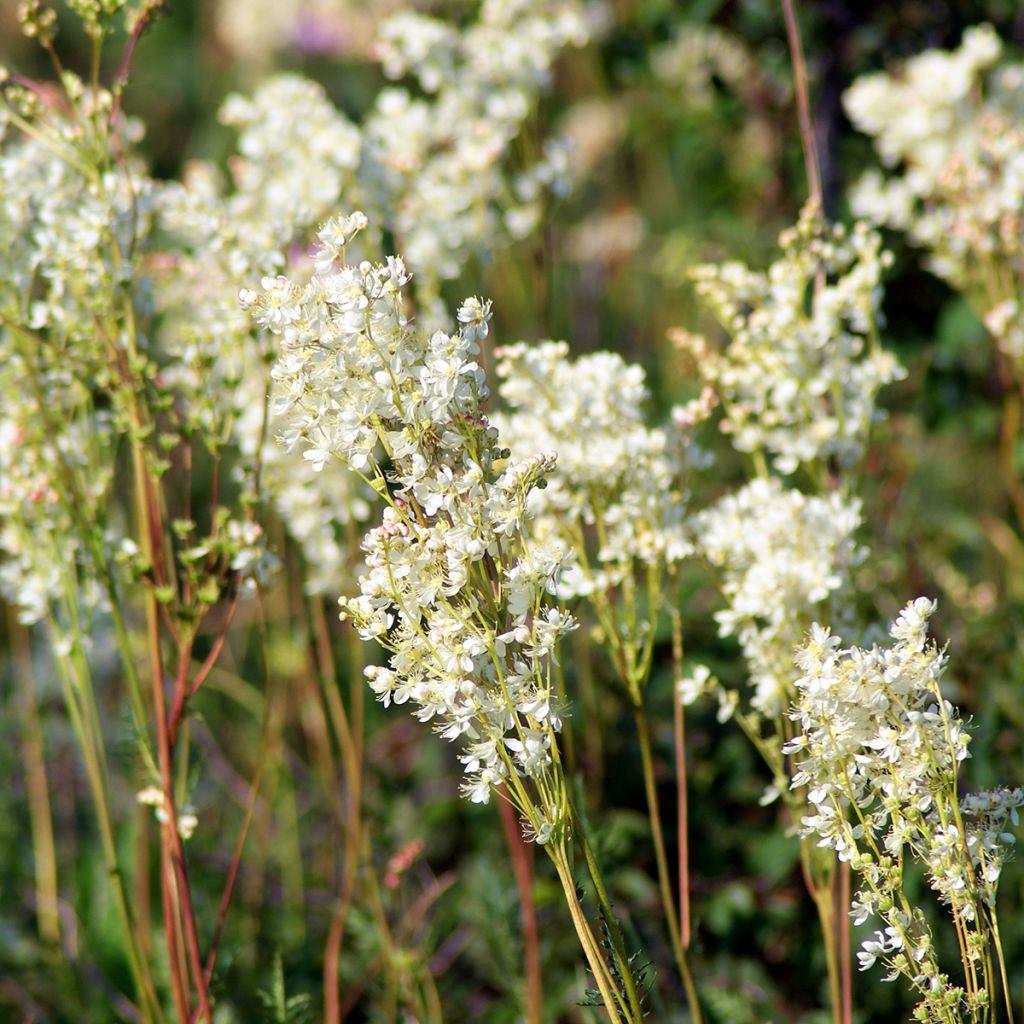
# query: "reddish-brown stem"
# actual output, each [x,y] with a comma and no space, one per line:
[180,692]
[803,104]
[188,916]
[172,837]
[229,885]
[218,645]
[177,968]
[174,876]
[521,854]
[126,59]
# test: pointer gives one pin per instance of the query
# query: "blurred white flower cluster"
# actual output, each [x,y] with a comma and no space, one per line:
[435,167]
[879,751]
[288,176]
[453,590]
[619,495]
[781,555]
[799,375]
[82,372]
[67,231]
[949,125]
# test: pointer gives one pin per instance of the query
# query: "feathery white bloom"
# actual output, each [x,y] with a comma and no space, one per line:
[879,751]
[780,554]
[948,127]
[452,589]
[799,375]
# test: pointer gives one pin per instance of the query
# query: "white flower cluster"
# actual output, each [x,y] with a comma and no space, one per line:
[799,376]
[620,481]
[434,166]
[880,750]
[67,229]
[453,590]
[780,554]
[949,126]
[920,116]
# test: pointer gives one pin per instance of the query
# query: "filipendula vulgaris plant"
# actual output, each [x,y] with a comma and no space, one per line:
[797,382]
[439,170]
[441,166]
[457,589]
[618,503]
[949,130]
[879,751]
[83,378]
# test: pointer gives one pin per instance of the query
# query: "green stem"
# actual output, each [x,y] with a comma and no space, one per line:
[614,931]
[664,882]
[40,816]
[591,950]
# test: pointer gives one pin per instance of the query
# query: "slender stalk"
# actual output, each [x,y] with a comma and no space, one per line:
[591,714]
[823,902]
[661,858]
[40,816]
[803,104]
[1002,966]
[682,802]
[845,957]
[348,732]
[612,923]
[94,755]
[591,950]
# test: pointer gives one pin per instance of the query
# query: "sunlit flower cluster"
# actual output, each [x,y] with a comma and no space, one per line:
[879,751]
[781,554]
[452,590]
[619,495]
[799,375]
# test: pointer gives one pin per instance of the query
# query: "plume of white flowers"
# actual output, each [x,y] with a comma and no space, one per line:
[619,479]
[948,127]
[880,751]
[799,375]
[435,168]
[780,554]
[453,590]
[66,230]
